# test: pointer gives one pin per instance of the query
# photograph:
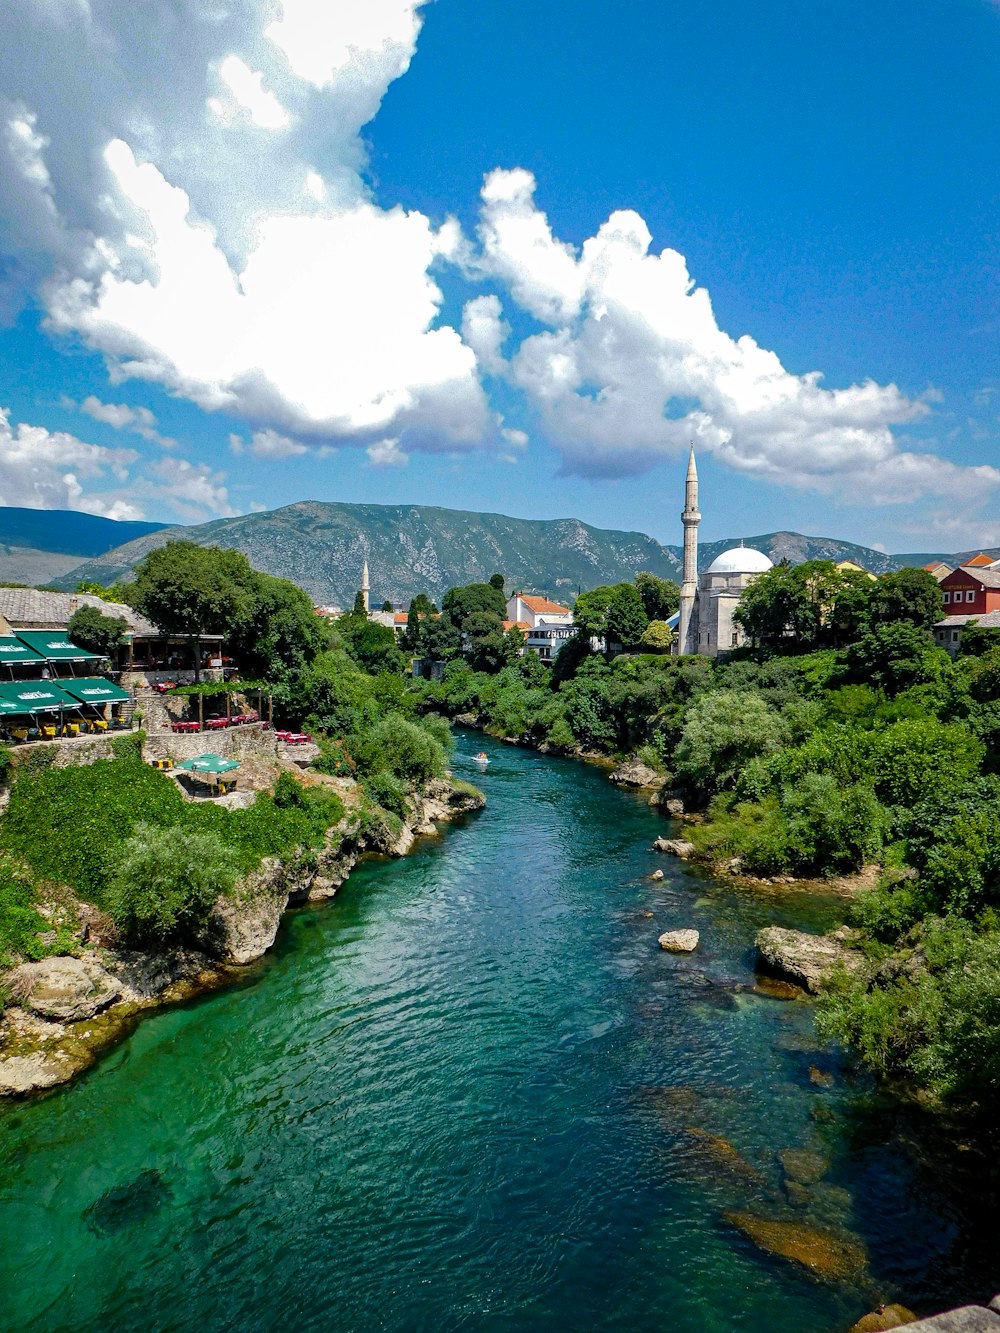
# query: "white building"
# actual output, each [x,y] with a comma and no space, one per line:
[531,611]
[547,638]
[719,591]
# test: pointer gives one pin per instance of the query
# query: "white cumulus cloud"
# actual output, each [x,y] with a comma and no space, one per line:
[633,365]
[136,420]
[41,469]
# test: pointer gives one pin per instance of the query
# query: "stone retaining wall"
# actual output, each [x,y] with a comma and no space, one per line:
[231,743]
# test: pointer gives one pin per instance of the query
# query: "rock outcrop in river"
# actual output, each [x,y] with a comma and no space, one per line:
[808,960]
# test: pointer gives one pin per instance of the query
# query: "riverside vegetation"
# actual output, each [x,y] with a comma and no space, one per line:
[844,737]
[111,852]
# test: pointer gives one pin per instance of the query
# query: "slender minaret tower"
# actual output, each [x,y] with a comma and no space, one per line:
[687,625]
[364,580]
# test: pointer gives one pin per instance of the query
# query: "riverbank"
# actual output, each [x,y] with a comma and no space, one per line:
[64,1012]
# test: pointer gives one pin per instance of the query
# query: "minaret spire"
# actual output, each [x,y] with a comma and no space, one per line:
[364,585]
[687,625]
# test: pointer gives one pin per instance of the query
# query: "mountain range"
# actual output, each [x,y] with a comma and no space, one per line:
[409,549]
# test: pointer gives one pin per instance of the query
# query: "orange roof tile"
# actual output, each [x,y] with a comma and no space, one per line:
[979,559]
[541,605]
[516,624]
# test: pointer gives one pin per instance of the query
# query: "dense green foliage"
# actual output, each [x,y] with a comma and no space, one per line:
[71,824]
[163,882]
[93,630]
[21,923]
[270,626]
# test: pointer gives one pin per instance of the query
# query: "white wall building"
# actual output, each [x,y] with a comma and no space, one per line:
[528,610]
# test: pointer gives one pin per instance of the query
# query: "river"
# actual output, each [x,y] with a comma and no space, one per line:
[462,1097]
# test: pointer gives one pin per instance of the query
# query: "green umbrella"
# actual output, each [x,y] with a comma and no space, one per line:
[209,763]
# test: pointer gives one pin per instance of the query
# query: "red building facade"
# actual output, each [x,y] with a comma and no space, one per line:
[971,591]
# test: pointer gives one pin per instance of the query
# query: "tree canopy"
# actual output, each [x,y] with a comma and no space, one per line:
[93,630]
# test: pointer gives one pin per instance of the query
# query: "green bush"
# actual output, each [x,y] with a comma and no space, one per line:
[387,791]
[401,747]
[21,923]
[163,882]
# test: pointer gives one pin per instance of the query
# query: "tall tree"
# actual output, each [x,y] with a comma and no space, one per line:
[660,597]
[191,590]
[906,595]
[627,620]
[95,631]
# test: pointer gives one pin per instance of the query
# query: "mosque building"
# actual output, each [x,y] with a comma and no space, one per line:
[705,620]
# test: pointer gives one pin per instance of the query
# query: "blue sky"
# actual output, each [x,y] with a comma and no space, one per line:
[264,266]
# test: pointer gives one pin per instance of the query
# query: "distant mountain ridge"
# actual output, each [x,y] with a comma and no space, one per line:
[67,531]
[423,548]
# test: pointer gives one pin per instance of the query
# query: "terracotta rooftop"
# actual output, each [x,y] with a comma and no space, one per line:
[979,559]
[542,606]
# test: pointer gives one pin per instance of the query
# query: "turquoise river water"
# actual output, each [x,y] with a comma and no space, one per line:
[462,1097]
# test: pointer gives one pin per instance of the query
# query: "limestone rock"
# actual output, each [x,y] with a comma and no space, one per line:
[634,773]
[807,960]
[675,847]
[967,1319]
[20,1074]
[242,927]
[885,1317]
[679,941]
[674,807]
[819,1252]
[657,874]
[144,976]
[64,988]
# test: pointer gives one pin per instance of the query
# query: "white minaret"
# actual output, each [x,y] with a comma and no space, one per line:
[687,625]
[364,585]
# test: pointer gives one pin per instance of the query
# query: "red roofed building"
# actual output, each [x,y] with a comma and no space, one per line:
[533,610]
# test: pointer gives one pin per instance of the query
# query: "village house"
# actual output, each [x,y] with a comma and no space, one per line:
[971,593]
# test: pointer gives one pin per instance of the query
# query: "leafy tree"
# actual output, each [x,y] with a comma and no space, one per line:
[358,609]
[723,731]
[660,597]
[97,590]
[978,640]
[489,647]
[372,646]
[894,657]
[590,612]
[657,637]
[460,603]
[163,882]
[497,581]
[442,640]
[848,615]
[193,590]
[906,595]
[776,610]
[388,606]
[95,631]
[626,619]
[279,633]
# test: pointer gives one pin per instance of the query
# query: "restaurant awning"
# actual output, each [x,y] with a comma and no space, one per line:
[95,690]
[209,763]
[54,646]
[36,696]
[15,653]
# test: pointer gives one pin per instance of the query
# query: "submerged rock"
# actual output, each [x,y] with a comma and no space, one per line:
[807,960]
[722,1153]
[819,1252]
[679,941]
[885,1317]
[63,988]
[803,1166]
[776,989]
[675,847]
[122,1205]
[657,874]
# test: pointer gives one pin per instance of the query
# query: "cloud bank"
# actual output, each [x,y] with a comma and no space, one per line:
[188,198]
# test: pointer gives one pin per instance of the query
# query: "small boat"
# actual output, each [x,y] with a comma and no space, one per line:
[481,757]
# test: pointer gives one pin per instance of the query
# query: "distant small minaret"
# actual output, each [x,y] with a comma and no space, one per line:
[687,625]
[365,588]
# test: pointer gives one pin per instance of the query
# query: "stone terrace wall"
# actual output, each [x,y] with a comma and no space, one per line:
[231,743]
